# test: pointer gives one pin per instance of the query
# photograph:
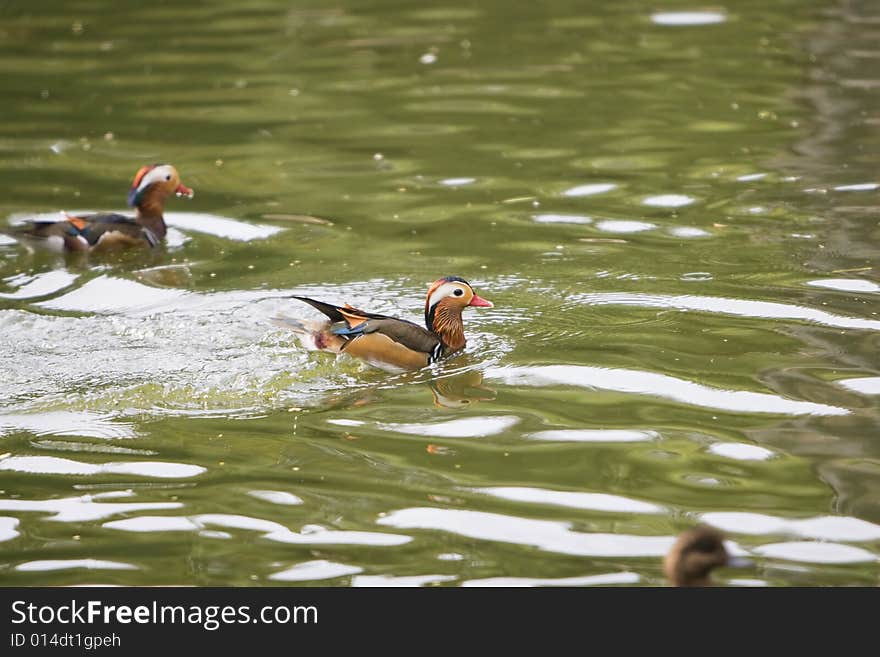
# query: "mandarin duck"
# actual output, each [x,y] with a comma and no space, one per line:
[152,186]
[387,342]
[695,554]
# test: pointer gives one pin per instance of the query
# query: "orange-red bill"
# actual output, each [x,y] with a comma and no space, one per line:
[480,302]
[183,190]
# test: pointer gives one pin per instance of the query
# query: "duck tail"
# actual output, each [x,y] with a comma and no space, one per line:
[312,335]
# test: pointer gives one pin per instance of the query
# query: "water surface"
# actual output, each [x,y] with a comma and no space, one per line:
[673,208]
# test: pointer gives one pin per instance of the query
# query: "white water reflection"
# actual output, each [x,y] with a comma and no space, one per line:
[845,284]
[823,528]
[684,18]
[658,385]
[68,564]
[84,508]
[608,579]
[576,500]
[55,465]
[741,451]
[457,182]
[276,497]
[668,200]
[869,385]
[547,535]
[373,581]
[8,529]
[828,553]
[595,435]
[858,187]
[220,226]
[470,427]
[273,531]
[751,176]
[106,294]
[561,219]
[688,232]
[312,570]
[728,306]
[38,285]
[624,226]
[589,190]
[67,423]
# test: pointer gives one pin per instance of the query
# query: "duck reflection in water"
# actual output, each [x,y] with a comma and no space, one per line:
[695,554]
[460,390]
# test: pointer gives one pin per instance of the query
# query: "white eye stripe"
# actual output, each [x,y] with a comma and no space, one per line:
[159,174]
[445,290]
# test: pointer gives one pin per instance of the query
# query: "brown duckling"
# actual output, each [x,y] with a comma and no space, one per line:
[695,553]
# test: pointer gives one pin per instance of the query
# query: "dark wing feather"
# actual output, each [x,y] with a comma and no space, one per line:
[404,332]
[335,313]
[90,227]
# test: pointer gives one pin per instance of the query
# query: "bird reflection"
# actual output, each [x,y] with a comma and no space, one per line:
[460,390]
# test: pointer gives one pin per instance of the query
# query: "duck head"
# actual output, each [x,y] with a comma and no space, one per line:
[152,185]
[445,300]
[695,553]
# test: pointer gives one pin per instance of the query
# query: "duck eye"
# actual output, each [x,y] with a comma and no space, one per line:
[458,292]
[168,177]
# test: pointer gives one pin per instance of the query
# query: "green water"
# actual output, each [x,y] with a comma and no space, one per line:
[677,224]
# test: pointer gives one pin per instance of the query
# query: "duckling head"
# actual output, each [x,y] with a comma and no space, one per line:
[695,553]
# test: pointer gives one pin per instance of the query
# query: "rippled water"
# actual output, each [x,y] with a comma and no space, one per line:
[674,210]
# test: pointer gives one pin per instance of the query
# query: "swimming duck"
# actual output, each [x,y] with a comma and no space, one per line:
[695,553]
[152,186]
[390,343]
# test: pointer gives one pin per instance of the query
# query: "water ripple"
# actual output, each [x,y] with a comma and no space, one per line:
[608,579]
[55,465]
[273,531]
[595,435]
[684,18]
[276,497]
[85,508]
[846,284]
[727,306]
[547,535]
[67,423]
[312,570]
[829,553]
[469,427]
[868,385]
[741,451]
[38,285]
[658,385]
[576,500]
[67,564]
[8,529]
[823,528]
[390,580]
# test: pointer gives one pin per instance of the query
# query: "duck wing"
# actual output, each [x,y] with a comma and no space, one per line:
[350,323]
[83,232]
